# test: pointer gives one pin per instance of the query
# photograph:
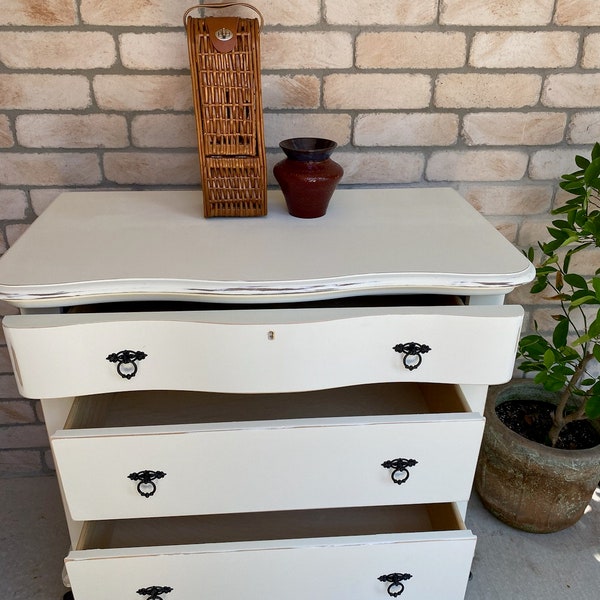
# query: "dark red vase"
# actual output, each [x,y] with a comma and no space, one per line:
[307,177]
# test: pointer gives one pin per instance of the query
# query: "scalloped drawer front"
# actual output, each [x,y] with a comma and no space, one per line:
[261,351]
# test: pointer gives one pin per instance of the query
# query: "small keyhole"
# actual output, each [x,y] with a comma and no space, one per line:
[271,335]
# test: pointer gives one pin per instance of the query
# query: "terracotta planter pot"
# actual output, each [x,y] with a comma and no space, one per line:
[528,485]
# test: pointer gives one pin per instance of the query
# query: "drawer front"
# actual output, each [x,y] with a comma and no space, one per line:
[261,351]
[429,566]
[267,466]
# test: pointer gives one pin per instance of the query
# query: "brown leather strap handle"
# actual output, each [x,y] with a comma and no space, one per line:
[224,5]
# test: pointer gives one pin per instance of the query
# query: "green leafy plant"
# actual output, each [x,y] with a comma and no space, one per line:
[562,363]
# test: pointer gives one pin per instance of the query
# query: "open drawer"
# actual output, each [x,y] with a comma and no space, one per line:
[337,554]
[275,350]
[143,454]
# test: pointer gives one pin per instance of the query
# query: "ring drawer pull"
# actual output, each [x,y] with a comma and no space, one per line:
[154,592]
[146,486]
[412,354]
[400,474]
[396,587]
[126,365]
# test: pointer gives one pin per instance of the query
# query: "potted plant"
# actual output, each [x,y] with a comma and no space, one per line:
[540,458]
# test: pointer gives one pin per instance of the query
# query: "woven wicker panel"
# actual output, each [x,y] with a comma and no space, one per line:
[228,94]
[229,120]
[233,186]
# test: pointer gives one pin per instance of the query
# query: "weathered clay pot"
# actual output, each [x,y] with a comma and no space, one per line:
[528,485]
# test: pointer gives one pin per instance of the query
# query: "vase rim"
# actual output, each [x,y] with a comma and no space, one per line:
[308,148]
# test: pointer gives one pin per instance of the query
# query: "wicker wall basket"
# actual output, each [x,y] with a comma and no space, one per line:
[225,68]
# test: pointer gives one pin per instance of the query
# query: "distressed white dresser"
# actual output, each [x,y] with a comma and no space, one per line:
[254,409]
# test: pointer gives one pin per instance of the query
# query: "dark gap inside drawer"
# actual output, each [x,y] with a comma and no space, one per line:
[386,300]
[247,527]
[155,408]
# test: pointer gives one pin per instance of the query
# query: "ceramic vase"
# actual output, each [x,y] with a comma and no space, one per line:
[307,176]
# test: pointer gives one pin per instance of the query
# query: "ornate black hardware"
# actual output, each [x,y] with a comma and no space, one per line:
[400,474]
[412,354]
[125,360]
[146,481]
[396,587]
[154,592]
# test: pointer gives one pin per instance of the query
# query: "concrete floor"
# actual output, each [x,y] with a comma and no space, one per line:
[509,565]
[514,565]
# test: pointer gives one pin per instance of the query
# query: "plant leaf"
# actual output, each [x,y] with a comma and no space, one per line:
[559,280]
[582,300]
[591,172]
[594,328]
[592,407]
[582,162]
[561,331]
[538,287]
[584,339]
[577,281]
[570,240]
[549,358]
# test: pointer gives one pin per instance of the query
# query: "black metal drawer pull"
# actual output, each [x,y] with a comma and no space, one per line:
[154,592]
[412,354]
[146,486]
[126,362]
[396,587]
[400,474]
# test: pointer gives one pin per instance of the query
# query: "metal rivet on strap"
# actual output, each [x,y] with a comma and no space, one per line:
[224,34]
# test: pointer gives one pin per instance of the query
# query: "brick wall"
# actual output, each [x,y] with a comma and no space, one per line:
[492,98]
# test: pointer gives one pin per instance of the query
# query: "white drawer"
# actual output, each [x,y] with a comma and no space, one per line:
[321,555]
[316,450]
[262,350]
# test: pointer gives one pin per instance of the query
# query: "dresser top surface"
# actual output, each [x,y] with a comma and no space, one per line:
[152,245]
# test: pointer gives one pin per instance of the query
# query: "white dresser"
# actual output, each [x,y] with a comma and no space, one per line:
[255,409]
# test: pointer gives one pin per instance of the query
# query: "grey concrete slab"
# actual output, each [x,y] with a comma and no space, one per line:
[514,565]
[33,539]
